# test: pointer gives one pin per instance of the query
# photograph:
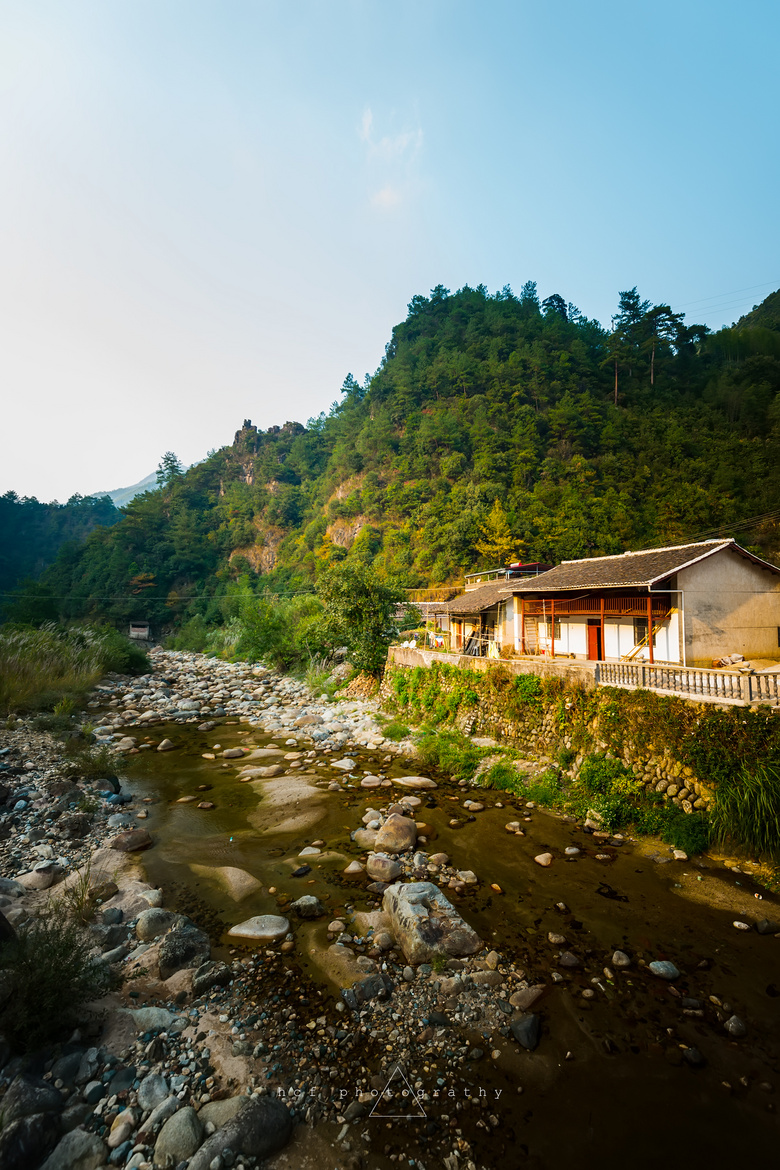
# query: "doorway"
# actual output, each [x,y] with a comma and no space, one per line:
[594,640]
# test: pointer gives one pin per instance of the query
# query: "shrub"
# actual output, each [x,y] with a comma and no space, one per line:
[395,730]
[546,789]
[52,973]
[502,776]
[451,752]
[688,831]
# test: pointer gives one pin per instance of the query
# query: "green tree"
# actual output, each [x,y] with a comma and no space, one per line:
[496,543]
[360,607]
[170,469]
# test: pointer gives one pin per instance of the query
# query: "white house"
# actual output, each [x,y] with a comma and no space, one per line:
[689,604]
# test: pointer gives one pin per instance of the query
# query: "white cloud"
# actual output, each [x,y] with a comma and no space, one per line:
[387,198]
[391,161]
[404,145]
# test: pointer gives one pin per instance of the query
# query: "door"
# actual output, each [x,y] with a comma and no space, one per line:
[594,640]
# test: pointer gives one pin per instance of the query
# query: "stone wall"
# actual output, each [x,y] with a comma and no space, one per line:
[566,716]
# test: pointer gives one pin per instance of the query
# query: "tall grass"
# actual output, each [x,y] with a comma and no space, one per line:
[746,810]
[43,668]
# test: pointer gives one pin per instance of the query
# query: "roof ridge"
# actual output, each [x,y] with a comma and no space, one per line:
[644,551]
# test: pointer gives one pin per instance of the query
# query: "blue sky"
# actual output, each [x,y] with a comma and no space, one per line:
[214,211]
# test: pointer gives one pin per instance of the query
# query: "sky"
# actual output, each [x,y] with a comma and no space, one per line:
[215,211]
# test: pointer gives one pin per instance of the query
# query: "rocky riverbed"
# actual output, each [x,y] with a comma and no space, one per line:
[353,965]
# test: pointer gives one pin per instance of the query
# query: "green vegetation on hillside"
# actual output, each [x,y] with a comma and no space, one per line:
[33,533]
[489,415]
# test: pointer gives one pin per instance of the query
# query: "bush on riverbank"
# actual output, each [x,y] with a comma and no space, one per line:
[41,668]
[48,973]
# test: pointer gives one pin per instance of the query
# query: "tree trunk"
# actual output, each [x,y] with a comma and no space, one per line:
[616,381]
[652,364]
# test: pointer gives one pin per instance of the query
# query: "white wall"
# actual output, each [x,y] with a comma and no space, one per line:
[731,607]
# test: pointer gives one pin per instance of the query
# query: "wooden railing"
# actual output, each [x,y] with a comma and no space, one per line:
[705,685]
[613,606]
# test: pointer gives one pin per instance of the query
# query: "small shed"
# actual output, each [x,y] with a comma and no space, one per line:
[139,631]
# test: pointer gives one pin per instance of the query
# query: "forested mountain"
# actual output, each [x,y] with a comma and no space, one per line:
[32,533]
[591,441]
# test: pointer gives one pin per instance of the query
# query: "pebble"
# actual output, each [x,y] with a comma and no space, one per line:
[663,970]
[544,859]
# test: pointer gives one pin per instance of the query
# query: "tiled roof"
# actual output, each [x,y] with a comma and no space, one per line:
[631,569]
[480,599]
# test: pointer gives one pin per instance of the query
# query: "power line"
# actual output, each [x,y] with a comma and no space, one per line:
[733,292]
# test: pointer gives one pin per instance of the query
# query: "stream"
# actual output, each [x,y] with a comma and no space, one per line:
[613,1076]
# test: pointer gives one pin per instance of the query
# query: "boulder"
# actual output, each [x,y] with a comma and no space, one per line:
[664,970]
[526,1030]
[132,841]
[426,925]
[308,907]
[219,1113]
[40,877]
[160,1114]
[183,946]
[382,868]
[152,1091]
[154,922]
[25,1143]
[179,1138]
[263,928]
[415,782]
[263,773]
[375,986]
[212,974]
[28,1095]
[397,834]
[258,1130]
[365,838]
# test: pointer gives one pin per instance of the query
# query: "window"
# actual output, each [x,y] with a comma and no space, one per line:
[640,631]
[547,629]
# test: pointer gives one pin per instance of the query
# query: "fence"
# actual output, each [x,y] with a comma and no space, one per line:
[691,682]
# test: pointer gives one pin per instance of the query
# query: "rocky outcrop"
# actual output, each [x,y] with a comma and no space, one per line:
[426,925]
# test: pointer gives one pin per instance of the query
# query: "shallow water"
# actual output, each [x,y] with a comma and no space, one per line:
[626,1083]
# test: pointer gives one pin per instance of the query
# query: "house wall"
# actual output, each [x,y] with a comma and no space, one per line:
[731,607]
[618,639]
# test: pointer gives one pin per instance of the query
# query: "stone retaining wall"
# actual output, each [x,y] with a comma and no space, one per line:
[574,722]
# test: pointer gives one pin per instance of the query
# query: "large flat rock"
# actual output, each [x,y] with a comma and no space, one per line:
[237,882]
[426,925]
[263,928]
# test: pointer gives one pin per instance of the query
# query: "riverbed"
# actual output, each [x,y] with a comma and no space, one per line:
[612,1071]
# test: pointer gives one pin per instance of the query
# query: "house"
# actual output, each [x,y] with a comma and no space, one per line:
[691,604]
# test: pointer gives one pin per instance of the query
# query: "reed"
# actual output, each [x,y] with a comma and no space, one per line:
[45,667]
[746,810]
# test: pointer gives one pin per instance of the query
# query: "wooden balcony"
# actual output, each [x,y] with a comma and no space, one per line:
[660,607]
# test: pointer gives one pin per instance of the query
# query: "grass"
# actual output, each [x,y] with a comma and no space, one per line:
[746,810]
[51,668]
[79,898]
[396,731]
[452,752]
